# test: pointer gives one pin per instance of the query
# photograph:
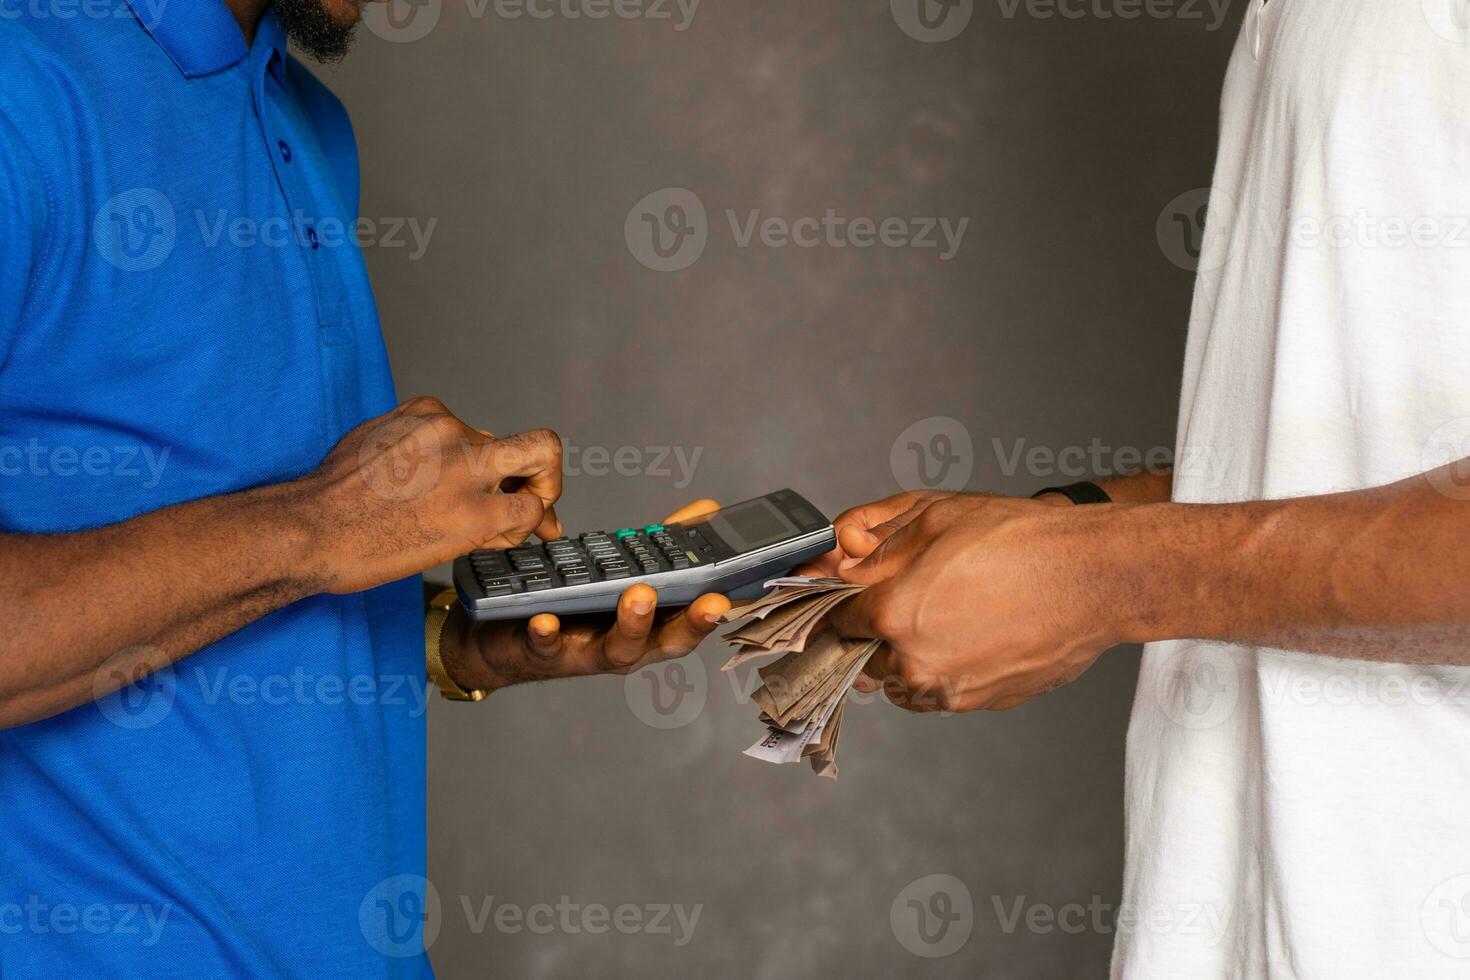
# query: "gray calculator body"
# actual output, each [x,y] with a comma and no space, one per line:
[732,551]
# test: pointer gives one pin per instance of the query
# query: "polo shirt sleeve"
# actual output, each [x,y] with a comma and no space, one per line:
[23,230]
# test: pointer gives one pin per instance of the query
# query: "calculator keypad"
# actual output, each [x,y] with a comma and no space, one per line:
[594,556]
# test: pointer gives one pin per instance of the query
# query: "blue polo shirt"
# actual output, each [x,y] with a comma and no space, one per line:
[185,312]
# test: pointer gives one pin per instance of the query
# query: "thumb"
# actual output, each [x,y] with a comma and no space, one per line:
[881,563]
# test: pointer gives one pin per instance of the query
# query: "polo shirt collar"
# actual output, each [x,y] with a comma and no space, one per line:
[202,36]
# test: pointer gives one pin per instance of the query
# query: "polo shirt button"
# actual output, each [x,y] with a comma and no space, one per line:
[285,150]
[311,236]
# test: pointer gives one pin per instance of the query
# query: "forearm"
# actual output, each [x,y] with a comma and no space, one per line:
[1146,487]
[1377,574]
[93,610]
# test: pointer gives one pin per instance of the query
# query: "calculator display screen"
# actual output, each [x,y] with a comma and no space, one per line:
[746,527]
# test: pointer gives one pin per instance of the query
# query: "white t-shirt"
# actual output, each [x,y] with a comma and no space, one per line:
[1290,815]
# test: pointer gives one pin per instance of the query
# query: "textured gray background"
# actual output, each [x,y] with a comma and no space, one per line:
[1061,321]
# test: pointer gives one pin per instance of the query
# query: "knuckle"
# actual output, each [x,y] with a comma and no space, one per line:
[891,621]
[545,438]
[445,427]
[424,404]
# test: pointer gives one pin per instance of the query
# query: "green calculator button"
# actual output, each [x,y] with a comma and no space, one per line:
[626,532]
[654,528]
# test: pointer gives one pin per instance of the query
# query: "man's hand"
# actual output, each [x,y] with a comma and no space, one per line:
[418,487]
[490,656]
[984,602]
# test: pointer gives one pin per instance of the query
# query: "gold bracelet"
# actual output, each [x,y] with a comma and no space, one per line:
[439,609]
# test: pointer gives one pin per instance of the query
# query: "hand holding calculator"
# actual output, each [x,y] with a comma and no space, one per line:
[732,551]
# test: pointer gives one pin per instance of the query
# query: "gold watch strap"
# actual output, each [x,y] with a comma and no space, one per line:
[439,609]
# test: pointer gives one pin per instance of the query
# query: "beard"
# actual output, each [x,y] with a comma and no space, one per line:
[316,30]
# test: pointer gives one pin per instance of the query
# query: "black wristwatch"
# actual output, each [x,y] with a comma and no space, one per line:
[1085,492]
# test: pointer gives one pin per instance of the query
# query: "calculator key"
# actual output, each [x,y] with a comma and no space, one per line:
[615,573]
[538,583]
[679,561]
[626,532]
[654,528]
[581,577]
[497,586]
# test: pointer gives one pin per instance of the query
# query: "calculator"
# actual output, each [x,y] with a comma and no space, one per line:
[733,551]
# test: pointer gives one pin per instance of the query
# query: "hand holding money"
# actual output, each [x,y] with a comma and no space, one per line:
[803,693]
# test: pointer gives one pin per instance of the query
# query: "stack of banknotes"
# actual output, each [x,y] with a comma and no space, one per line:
[803,693]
